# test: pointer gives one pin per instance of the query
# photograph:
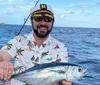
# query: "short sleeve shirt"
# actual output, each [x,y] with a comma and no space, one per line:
[26,53]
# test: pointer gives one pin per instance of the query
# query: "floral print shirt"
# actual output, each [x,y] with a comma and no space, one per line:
[26,53]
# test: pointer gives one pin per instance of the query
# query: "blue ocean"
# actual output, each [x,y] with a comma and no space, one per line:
[83,46]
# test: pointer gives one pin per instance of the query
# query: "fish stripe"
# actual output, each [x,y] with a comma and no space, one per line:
[46,65]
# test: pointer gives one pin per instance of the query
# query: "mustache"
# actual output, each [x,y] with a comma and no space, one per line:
[43,26]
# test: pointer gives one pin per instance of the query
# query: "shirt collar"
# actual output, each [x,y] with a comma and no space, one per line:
[46,42]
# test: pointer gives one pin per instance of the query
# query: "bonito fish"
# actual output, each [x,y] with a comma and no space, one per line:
[49,73]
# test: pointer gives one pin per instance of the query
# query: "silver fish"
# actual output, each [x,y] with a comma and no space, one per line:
[49,73]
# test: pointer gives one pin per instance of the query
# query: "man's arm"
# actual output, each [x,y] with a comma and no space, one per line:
[5,56]
[6,67]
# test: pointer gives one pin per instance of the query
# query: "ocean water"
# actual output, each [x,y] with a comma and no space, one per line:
[83,46]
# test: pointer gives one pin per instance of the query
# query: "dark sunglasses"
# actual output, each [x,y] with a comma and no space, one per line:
[39,19]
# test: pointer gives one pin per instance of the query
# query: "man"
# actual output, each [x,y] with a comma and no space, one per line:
[34,48]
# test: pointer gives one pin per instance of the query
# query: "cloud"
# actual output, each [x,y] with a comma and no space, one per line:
[4,2]
[16,3]
[69,12]
[84,5]
[98,3]
[86,13]
[7,11]
[66,13]
[15,6]
[62,16]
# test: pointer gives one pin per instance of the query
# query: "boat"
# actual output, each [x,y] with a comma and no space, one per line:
[2,23]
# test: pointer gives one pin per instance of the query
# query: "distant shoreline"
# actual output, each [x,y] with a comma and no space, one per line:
[2,23]
[54,26]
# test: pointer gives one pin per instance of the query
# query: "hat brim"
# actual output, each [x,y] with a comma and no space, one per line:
[42,13]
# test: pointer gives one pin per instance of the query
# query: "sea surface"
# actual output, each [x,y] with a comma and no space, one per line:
[83,46]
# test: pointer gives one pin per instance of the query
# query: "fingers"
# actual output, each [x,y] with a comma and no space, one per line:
[63,82]
[66,82]
[56,83]
[6,69]
[10,70]
[1,73]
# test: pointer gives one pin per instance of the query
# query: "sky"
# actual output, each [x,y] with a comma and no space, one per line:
[68,13]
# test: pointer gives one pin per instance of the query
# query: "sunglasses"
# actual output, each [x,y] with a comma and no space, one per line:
[39,19]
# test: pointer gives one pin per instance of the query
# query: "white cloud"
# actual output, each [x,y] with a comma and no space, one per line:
[69,12]
[82,5]
[13,6]
[87,13]
[98,3]
[66,13]
[85,5]
[62,16]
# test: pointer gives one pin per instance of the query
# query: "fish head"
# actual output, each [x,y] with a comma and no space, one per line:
[74,73]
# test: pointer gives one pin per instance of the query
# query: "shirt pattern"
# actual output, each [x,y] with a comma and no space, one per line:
[26,53]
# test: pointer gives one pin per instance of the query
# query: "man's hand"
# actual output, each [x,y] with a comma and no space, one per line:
[63,82]
[6,69]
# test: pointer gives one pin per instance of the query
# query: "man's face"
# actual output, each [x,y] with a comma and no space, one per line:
[42,26]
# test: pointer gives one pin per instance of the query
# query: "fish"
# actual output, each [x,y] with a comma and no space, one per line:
[50,73]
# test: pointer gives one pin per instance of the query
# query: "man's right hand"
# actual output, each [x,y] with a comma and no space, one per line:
[6,69]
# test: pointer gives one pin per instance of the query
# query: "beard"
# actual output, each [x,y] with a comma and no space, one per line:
[41,34]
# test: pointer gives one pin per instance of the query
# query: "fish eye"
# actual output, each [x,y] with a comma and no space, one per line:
[80,69]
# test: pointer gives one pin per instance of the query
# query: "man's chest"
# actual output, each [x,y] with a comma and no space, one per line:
[27,57]
[38,55]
